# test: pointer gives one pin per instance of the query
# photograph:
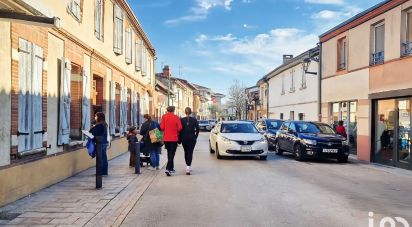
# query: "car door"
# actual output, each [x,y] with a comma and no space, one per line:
[282,136]
[291,136]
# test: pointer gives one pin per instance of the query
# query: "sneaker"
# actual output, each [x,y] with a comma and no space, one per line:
[173,171]
[168,173]
[188,170]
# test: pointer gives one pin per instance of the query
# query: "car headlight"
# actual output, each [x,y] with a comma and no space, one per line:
[310,142]
[226,140]
[345,142]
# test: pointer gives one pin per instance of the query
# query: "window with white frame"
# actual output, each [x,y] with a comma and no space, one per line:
[342,54]
[98,19]
[128,46]
[30,128]
[118,30]
[292,81]
[378,54]
[283,85]
[74,8]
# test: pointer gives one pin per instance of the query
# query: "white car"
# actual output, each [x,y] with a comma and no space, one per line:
[212,123]
[237,138]
[204,125]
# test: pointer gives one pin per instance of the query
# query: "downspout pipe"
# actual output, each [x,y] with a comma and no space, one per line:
[320,82]
[267,98]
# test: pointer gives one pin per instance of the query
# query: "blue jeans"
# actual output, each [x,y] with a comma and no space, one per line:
[155,157]
[105,164]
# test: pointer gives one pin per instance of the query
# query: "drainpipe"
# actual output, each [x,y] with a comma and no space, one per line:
[320,82]
[267,99]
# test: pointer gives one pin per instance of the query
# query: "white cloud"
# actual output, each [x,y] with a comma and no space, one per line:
[203,38]
[201,10]
[330,2]
[326,15]
[327,19]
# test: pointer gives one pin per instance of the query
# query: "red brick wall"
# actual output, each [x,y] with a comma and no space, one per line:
[76,104]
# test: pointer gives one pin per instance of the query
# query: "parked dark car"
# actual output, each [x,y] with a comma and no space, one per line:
[306,139]
[269,128]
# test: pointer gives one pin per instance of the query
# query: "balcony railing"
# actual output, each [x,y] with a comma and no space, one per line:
[407,49]
[378,58]
[342,66]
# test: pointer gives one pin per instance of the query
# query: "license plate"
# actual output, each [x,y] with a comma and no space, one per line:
[246,148]
[330,151]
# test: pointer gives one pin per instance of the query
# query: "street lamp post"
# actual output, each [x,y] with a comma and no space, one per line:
[168,91]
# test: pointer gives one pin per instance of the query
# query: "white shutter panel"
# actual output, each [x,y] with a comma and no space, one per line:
[144,61]
[118,30]
[138,55]
[86,100]
[126,125]
[122,109]
[97,17]
[129,46]
[65,100]
[24,121]
[133,110]
[113,108]
[37,97]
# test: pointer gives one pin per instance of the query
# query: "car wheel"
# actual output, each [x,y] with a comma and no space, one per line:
[298,152]
[218,156]
[263,157]
[210,148]
[278,151]
[343,159]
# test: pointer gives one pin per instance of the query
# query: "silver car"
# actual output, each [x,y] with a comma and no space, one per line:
[204,125]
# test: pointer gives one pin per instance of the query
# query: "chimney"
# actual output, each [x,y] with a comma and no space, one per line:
[287,58]
[166,71]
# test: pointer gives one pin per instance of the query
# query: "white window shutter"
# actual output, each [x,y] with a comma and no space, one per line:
[65,100]
[144,68]
[113,108]
[24,121]
[98,18]
[129,46]
[138,55]
[37,89]
[86,100]
[118,30]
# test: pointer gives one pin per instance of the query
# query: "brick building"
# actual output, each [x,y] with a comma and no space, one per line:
[61,63]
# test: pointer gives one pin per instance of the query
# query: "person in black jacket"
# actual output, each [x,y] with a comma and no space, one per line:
[100,129]
[132,139]
[188,137]
[150,148]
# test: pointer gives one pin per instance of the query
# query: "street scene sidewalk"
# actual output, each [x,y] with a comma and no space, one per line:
[76,202]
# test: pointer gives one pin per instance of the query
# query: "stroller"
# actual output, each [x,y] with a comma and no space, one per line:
[144,157]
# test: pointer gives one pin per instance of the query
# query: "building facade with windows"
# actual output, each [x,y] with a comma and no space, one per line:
[252,94]
[263,99]
[293,93]
[93,57]
[366,81]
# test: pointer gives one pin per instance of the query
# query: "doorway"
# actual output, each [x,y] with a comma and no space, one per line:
[347,112]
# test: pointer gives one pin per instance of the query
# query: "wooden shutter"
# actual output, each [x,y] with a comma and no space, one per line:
[129,46]
[86,100]
[144,68]
[65,100]
[98,19]
[118,30]
[113,108]
[138,55]
[24,121]
[37,96]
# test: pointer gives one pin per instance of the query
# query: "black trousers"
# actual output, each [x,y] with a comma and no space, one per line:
[188,147]
[171,151]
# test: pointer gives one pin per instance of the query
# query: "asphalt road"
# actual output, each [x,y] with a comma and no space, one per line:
[276,192]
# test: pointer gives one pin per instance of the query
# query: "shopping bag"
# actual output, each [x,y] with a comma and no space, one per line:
[156,136]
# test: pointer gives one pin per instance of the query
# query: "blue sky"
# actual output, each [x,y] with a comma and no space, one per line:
[217,41]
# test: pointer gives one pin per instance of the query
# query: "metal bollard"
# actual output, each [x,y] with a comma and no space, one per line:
[137,162]
[99,161]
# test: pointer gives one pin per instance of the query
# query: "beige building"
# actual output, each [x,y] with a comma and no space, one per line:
[61,62]
[366,81]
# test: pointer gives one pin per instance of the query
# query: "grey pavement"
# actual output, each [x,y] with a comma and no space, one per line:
[276,192]
[76,202]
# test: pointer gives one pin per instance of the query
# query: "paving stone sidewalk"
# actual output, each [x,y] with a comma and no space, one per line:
[76,202]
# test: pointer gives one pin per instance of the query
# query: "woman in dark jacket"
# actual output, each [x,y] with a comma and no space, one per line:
[150,148]
[188,137]
[100,129]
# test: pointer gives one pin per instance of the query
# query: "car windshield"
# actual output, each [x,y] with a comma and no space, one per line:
[309,127]
[274,124]
[203,122]
[238,128]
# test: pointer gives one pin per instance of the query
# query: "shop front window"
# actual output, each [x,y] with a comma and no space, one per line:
[404,131]
[385,131]
[346,112]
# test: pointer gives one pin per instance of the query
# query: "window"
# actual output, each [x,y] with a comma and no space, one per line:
[281,116]
[30,126]
[75,9]
[303,85]
[138,59]
[378,54]
[76,95]
[283,85]
[144,61]
[118,30]
[407,44]
[292,81]
[292,115]
[342,54]
[292,127]
[98,19]
[301,116]
[129,46]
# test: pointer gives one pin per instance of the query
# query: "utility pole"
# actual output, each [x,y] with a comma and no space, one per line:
[168,90]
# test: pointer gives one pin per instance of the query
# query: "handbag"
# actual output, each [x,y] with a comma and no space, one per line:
[156,136]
